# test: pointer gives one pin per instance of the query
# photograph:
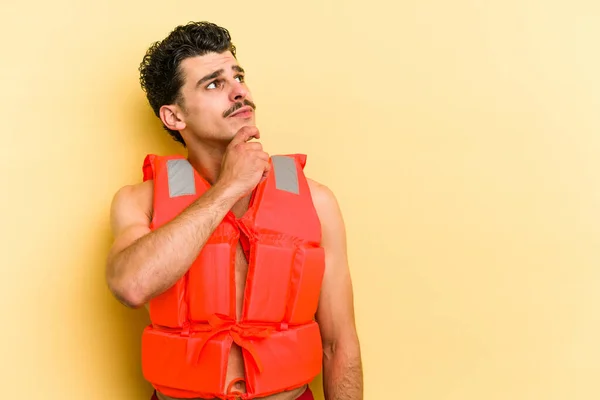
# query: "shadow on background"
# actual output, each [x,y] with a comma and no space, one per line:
[124,327]
[121,326]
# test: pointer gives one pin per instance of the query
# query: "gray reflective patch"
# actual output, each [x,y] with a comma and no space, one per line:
[286,175]
[181,178]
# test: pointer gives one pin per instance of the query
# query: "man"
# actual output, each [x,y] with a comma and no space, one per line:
[239,258]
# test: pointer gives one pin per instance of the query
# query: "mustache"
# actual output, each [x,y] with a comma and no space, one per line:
[237,106]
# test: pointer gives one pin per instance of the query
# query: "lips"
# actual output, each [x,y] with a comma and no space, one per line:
[244,111]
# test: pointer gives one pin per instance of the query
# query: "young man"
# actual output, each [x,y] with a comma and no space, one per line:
[240,259]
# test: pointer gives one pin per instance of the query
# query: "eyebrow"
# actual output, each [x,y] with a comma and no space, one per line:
[218,73]
[209,77]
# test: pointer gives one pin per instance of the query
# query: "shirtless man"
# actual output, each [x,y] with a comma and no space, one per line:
[196,87]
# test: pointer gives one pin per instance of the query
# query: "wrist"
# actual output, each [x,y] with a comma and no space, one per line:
[225,193]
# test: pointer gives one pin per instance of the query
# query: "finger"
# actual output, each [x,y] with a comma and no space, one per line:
[263,156]
[264,176]
[256,146]
[245,134]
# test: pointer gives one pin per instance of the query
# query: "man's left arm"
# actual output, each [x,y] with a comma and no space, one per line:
[342,364]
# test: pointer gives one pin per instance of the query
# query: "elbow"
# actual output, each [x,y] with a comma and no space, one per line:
[329,348]
[347,345]
[126,291]
[129,297]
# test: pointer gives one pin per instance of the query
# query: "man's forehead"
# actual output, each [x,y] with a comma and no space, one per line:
[201,65]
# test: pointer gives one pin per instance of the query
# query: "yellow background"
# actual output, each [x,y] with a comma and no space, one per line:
[461,138]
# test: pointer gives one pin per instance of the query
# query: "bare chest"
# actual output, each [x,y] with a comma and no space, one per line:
[241,262]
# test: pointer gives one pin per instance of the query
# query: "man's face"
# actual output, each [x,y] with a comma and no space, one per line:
[216,100]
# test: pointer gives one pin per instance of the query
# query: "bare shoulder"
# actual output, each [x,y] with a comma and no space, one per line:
[323,197]
[131,207]
[328,210]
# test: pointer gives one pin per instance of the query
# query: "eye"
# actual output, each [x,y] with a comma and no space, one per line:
[213,84]
[240,78]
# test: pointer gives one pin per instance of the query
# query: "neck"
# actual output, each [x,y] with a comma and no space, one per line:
[206,158]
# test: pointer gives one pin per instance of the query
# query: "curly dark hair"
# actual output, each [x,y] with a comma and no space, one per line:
[160,75]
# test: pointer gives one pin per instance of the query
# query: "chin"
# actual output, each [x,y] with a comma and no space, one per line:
[234,127]
[240,124]
[246,122]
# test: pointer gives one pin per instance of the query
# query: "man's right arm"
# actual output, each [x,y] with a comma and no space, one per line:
[142,263]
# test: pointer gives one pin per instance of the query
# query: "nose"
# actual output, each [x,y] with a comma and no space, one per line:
[238,91]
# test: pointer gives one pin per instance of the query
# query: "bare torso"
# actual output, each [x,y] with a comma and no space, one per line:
[235,368]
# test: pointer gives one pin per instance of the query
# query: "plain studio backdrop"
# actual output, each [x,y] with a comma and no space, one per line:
[460,137]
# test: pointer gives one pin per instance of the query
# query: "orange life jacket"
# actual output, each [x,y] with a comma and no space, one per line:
[193,324]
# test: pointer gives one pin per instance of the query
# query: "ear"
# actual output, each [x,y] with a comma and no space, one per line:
[172,117]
